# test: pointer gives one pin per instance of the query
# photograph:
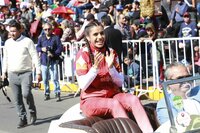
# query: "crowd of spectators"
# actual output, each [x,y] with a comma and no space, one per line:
[139,19]
[32,10]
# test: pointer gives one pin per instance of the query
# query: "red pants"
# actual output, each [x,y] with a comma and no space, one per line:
[117,106]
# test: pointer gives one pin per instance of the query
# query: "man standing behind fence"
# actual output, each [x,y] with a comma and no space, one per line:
[49,48]
[19,57]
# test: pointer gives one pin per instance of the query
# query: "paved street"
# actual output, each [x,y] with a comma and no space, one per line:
[46,112]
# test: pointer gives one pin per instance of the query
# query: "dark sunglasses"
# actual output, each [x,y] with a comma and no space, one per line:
[47,29]
[181,77]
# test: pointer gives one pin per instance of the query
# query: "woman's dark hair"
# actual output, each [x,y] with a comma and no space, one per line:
[90,26]
[14,23]
[87,32]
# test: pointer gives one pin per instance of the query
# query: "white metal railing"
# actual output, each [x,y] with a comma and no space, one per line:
[147,64]
[171,51]
[146,54]
[71,50]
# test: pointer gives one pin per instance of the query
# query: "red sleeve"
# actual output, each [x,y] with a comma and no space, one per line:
[82,62]
[58,32]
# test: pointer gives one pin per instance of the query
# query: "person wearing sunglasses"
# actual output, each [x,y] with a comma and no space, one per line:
[49,48]
[180,95]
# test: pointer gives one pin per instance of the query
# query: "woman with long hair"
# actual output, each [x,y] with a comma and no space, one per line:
[100,78]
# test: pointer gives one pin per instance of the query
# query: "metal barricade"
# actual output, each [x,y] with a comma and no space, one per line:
[150,55]
[171,51]
[68,68]
[144,53]
[1,58]
[154,56]
[71,50]
[179,50]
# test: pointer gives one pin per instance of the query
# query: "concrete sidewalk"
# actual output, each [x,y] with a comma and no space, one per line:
[46,112]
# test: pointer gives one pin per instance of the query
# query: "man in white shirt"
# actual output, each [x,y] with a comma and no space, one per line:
[20,56]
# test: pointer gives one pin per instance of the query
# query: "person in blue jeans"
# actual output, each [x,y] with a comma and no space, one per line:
[49,48]
[198,7]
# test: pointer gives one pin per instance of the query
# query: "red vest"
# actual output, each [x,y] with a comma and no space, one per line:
[102,86]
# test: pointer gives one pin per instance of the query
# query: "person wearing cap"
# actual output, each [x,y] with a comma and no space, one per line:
[119,7]
[56,28]
[188,28]
[137,30]
[14,13]
[117,11]
[98,14]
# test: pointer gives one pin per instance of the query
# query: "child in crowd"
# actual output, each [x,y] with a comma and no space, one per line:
[187,29]
[133,73]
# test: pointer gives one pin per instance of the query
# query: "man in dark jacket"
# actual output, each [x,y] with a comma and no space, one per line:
[49,48]
[113,36]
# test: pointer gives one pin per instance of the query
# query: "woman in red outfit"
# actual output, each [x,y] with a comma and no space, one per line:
[100,78]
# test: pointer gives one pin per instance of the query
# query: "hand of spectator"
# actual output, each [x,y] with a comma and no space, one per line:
[98,56]
[110,59]
[3,76]
[39,78]
[44,49]
[196,48]
[130,51]
[49,54]
[181,45]
[169,25]
[142,39]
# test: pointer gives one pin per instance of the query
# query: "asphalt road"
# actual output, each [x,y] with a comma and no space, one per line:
[46,112]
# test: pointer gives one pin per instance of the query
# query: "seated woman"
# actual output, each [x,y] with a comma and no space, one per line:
[100,78]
